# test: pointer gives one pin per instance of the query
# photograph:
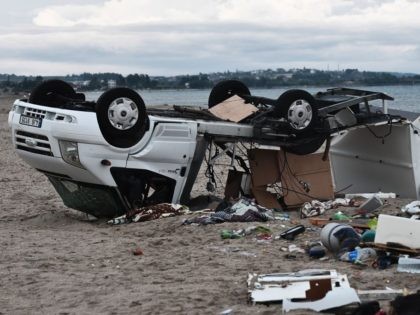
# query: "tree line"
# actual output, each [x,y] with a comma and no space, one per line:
[261,79]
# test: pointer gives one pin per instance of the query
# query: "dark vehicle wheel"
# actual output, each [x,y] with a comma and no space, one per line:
[225,89]
[121,116]
[51,92]
[299,108]
[310,145]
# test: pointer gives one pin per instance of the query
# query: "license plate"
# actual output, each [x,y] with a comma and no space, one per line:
[30,121]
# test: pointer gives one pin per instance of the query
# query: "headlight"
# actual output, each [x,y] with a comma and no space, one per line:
[70,153]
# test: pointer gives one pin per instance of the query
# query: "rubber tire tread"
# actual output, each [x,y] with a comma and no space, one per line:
[225,89]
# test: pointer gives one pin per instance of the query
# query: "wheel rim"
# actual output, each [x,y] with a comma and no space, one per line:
[300,114]
[123,113]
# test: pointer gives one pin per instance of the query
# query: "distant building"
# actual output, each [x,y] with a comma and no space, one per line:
[112,84]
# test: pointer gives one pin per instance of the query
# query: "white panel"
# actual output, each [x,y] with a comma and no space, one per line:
[398,230]
[370,165]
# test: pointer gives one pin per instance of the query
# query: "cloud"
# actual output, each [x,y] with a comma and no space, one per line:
[172,37]
[261,12]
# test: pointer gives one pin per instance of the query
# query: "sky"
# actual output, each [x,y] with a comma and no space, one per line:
[170,37]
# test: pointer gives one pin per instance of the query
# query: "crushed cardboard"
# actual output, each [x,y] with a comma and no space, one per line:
[233,109]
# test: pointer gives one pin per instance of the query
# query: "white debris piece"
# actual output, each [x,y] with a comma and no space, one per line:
[317,289]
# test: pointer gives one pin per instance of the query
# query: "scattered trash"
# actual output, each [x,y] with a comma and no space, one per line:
[373,223]
[244,210]
[226,312]
[353,223]
[312,209]
[316,207]
[368,236]
[336,237]
[228,234]
[370,195]
[410,265]
[412,208]
[281,216]
[379,295]
[317,251]
[296,249]
[317,290]
[370,205]
[137,251]
[385,260]
[261,232]
[150,213]
[398,231]
[359,255]
[340,216]
[290,234]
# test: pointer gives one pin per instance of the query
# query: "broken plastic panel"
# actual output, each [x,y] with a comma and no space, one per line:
[308,289]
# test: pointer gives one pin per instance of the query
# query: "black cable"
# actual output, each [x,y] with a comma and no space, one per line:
[301,193]
[384,136]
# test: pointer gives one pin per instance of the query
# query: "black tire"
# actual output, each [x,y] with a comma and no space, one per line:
[119,129]
[299,108]
[308,146]
[225,89]
[46,93]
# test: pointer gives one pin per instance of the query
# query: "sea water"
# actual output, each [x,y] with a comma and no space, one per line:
[407,97]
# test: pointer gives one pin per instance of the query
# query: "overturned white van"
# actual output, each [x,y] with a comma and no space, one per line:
[108,156]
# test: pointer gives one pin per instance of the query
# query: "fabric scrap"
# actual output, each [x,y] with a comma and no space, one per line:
[244,210]
[316,207]
[149,213]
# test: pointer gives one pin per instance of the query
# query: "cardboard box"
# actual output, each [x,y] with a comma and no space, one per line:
[264,171]
[305,177]
[301,177]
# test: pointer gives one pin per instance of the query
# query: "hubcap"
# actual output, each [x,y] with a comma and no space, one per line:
[123,113]
[299,114]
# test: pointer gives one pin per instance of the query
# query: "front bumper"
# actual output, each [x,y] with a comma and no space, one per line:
[39,147]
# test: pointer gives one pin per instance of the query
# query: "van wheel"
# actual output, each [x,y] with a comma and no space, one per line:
[225,89]
[299,108]
[122,117]
[48,93]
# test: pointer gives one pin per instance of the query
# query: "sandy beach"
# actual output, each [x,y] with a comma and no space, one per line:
[55,260]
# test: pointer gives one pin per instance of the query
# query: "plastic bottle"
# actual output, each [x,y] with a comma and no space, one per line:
[359,255]
[290,234]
